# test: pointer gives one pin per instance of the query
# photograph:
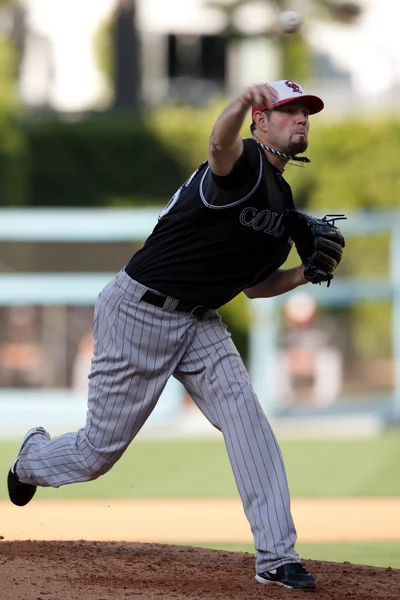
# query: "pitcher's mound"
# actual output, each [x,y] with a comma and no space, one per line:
[116,571]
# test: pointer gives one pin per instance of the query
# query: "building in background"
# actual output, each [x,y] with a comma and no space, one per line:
[185,57]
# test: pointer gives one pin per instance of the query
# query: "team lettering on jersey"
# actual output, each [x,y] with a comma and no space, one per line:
[262,220]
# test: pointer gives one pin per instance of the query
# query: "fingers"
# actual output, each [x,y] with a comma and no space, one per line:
[335,235]
[259,95]
[332,233]
[326,262]
[329,248]
[341,239]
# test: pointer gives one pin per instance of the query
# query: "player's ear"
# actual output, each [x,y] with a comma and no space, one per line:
[261,119]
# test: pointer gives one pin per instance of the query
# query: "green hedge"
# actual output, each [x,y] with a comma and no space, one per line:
[101,160]
[105,160]
[13,179]
[92,162]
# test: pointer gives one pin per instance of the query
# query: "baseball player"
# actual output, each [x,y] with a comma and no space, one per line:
[223,232]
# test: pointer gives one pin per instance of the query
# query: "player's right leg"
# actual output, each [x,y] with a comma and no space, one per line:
[214,375]
[137,347]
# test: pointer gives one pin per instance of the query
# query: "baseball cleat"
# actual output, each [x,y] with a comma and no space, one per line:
[22,493]
[291,575]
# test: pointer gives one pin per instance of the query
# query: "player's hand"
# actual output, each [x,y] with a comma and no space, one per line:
[259,95]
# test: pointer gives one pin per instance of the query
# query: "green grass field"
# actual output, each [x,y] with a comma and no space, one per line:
[188,469]
[384,554]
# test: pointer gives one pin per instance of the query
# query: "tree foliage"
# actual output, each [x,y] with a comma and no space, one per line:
[104,48]
[12,141]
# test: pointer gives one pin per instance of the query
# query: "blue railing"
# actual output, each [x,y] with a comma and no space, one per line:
[134,225]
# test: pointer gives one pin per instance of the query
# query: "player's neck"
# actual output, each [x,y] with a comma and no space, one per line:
[278,161]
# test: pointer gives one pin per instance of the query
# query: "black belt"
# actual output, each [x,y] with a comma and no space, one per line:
[196,310]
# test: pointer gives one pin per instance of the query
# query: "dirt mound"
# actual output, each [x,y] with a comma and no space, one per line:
[113,571]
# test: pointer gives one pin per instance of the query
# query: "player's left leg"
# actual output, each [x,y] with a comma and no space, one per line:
[137,347]
[214,375]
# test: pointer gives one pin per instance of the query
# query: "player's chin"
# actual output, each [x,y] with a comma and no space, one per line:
[298,145]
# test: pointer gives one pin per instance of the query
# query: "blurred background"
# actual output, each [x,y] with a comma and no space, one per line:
[105,108]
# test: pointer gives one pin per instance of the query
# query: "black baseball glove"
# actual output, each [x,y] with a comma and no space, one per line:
[318,242]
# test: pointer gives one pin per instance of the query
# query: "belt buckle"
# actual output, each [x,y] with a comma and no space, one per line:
[202,311]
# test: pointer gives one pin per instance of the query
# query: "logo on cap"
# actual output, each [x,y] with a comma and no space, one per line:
[294,86]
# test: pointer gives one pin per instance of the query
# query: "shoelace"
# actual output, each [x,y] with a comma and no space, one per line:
[298,568]
[332,218]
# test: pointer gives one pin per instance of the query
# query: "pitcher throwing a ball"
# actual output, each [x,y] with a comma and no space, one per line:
[228,229]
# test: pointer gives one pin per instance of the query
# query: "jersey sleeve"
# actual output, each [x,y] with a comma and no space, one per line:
[240,184]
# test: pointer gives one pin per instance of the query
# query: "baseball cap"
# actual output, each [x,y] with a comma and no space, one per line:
[288,91]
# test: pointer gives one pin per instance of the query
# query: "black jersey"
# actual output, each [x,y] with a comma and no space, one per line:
[218,235]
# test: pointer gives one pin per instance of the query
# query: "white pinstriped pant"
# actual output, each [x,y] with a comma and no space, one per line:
[137,348]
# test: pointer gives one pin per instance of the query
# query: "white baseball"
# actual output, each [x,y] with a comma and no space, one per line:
[289,21]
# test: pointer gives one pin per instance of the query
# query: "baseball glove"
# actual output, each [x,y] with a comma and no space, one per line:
[318,242]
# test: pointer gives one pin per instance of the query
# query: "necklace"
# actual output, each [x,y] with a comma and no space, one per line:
[302,159]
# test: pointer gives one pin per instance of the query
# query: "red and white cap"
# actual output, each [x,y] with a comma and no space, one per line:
[288,91]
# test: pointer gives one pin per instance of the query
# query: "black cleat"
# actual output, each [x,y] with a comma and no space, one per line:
[291,575]
[22,493]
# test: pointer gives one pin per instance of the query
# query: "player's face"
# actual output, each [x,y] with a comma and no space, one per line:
[288,128]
